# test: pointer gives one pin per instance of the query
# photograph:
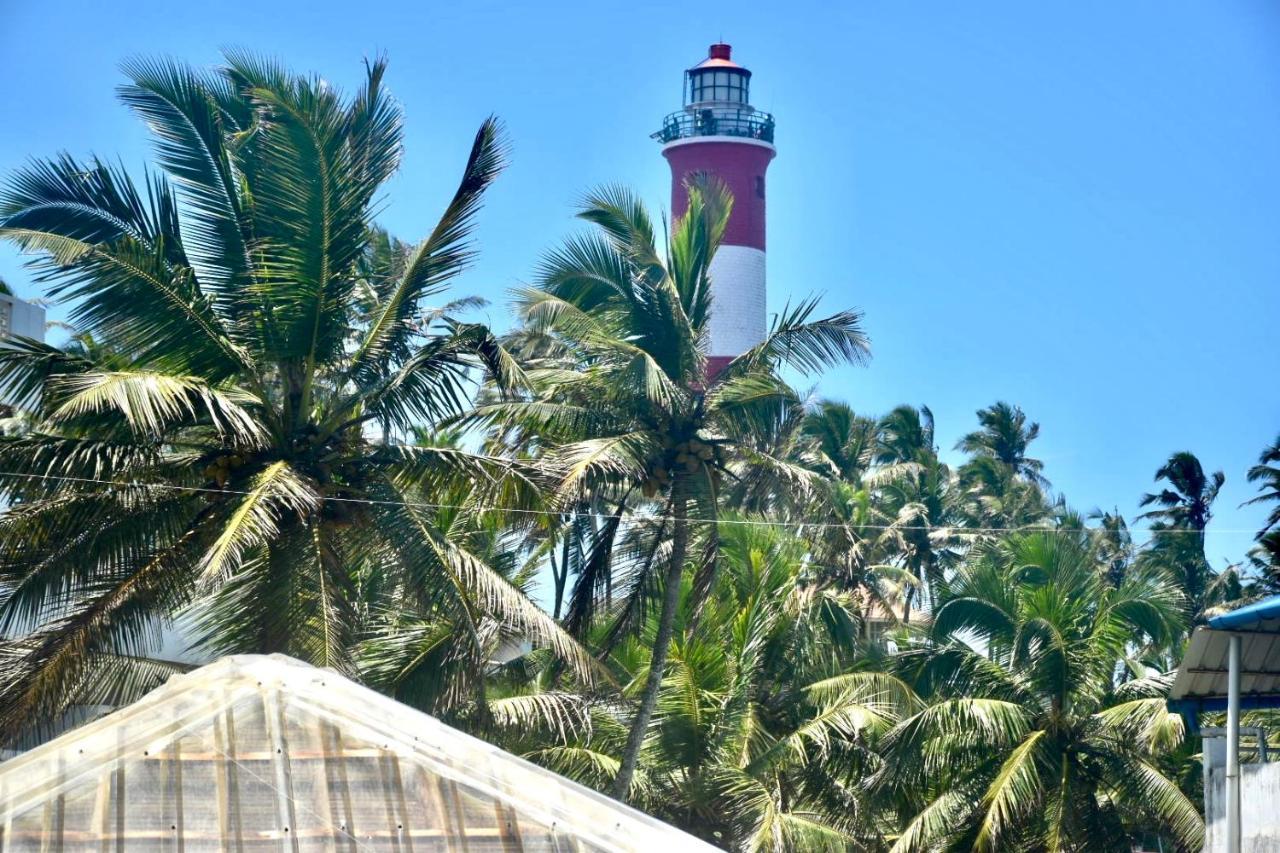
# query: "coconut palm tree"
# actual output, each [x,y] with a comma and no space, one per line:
[1005,435]
[992,498]
[917,491]
[1267,474]
[1187,503]
[1183,511]
[1113,544]
[215,452]
[919,499]
[1264,557]
[1264,560]
[841,440]
[905,435]
[639,416]
[1032,744]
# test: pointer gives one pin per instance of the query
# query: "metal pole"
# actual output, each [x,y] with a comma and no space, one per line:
[1233,744]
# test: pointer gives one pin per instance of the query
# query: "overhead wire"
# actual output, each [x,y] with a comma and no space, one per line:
[135,484]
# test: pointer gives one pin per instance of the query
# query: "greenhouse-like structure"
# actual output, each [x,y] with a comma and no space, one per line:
[267,753]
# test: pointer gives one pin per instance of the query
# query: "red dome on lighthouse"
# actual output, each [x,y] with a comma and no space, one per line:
[719,55]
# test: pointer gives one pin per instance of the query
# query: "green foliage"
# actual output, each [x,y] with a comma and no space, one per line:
[1033,744]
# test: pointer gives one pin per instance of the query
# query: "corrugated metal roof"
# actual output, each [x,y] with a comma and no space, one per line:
[269,752]
[1201,681]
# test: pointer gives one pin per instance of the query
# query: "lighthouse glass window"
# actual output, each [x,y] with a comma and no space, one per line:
[725,86]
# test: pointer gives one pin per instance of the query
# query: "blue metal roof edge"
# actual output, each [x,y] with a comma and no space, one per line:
[1191,708]
[1192,705]
[1259,611]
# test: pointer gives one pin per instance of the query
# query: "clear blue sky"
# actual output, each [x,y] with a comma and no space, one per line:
[1073,209]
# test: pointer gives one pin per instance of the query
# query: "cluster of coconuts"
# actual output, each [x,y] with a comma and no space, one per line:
[684,457]
[219,470]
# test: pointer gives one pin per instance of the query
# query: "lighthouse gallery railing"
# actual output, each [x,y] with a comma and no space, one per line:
[750,124]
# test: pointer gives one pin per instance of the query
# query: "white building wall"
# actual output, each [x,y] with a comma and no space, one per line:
[1259,809]
[25,320]
[22,319]
[738,319]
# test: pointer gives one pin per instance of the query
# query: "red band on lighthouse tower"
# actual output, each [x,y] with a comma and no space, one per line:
[741,167]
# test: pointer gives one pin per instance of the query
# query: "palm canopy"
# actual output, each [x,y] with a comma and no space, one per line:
[1182,510]
[1267,475]
[1035,745]
[249,328]
[1005,435]
[1187,502]
[838,440]
[1265,556]
[906,434]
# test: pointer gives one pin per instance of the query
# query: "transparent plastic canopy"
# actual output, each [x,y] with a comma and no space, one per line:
[267,753]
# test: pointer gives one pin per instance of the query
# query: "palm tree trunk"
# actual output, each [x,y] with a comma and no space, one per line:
[560,575]
[661,644]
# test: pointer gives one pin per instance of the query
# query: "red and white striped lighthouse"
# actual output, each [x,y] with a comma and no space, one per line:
[718,131]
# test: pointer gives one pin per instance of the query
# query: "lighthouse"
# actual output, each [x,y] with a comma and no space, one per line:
[718,131]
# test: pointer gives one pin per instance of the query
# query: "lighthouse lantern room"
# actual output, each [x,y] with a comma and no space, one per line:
[719,132]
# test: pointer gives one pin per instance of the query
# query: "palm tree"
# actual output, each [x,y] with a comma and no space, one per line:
[1112,543]
[992,498]
[1005,436]
[211,454]
[906,435]
[842,441]
[1264,557]
[1033,745]
[639,415]
[919,498]
[917,491]
[1188,502]
[1267,474]
[1183,511]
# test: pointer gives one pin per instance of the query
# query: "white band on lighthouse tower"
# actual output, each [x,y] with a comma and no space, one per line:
[737,320]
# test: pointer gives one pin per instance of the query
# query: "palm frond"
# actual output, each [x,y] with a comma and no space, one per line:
[253,519]
[935,823]
[1145,789]
[186,115]
[1144,723]
[433,263]
[564,715]
[796,340]
[151,402]
[616,457]
[1015,791]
